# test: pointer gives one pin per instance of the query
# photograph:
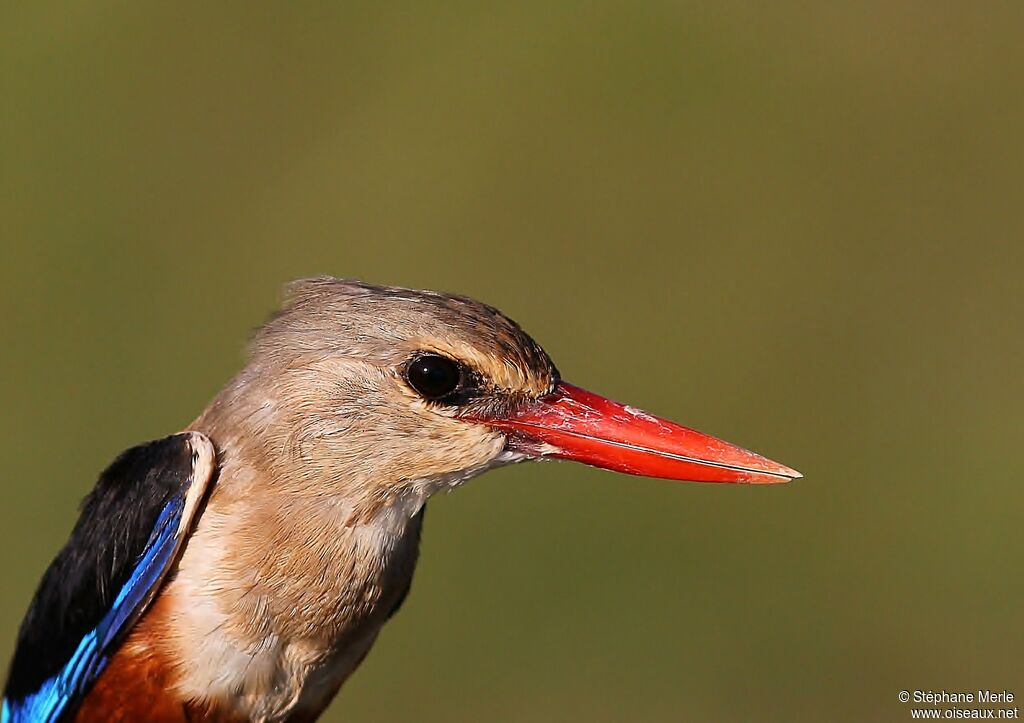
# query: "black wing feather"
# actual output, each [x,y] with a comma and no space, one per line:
[81,584]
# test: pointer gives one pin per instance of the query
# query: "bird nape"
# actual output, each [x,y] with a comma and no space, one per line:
[242,569]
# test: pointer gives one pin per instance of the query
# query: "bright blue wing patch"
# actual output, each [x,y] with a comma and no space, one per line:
[55,695]
[127,537]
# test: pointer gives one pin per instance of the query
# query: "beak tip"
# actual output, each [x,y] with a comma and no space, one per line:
[785,474]
[792,473]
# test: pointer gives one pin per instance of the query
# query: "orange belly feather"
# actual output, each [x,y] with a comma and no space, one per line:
[138,683]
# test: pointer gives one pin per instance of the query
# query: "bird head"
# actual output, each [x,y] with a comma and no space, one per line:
[387,390]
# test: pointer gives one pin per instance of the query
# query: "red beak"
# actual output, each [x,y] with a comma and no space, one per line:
[572,423]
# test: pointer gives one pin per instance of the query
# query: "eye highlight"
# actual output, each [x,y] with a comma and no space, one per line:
[433,376]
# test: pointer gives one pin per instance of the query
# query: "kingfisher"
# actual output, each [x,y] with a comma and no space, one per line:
[240,570]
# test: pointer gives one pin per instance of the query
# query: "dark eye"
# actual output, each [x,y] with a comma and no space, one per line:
[433,376]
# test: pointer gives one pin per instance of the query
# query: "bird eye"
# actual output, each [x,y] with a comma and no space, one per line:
[433,376]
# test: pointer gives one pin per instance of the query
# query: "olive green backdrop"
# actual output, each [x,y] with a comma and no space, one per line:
[794,225]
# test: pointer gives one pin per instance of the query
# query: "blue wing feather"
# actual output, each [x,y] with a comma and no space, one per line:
[51,701]
[127,538]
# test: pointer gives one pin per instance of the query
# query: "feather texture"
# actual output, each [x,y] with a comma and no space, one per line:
[126,540]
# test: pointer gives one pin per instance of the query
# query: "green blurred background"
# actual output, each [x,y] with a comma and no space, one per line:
[794,225]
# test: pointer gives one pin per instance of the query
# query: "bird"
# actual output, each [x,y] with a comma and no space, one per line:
[241,569]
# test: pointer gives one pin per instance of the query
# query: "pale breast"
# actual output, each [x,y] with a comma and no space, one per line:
[274,607]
